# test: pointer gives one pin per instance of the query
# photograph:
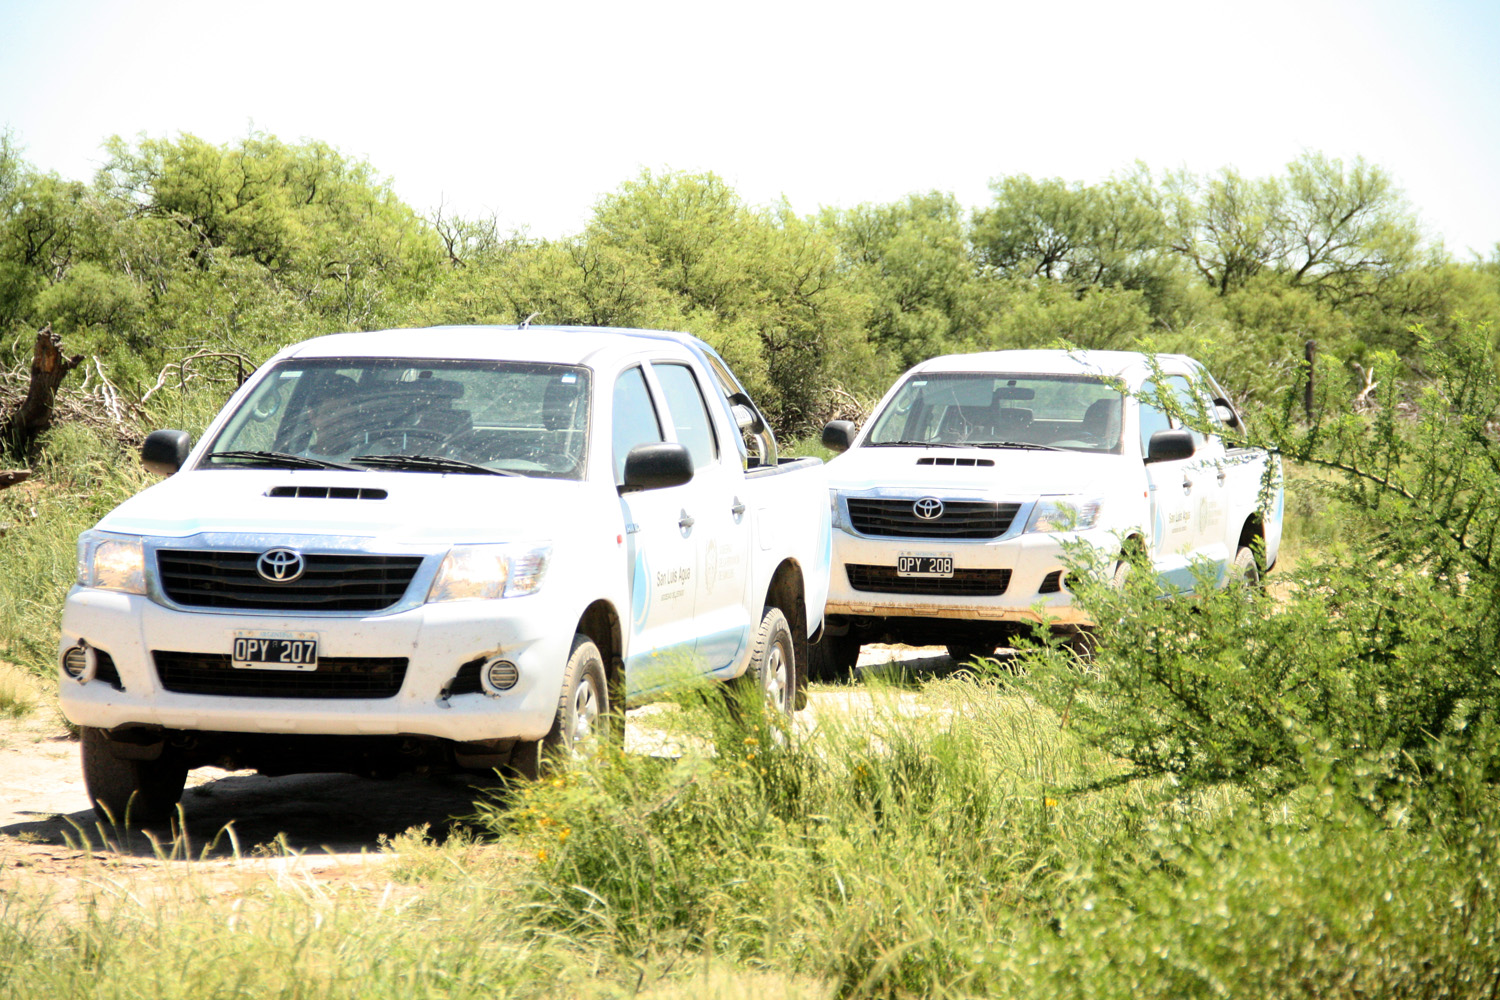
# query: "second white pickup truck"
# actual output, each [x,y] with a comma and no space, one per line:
[420,549]
[952,505]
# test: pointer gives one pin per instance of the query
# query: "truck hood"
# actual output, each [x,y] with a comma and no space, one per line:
[421,509]
[1014,472]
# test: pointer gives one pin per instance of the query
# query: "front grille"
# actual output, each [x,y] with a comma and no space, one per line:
[341,582]
[336,677]
[963,582]
[960,518]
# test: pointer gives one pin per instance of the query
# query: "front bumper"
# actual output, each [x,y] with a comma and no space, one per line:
[1034,592]
[435,639]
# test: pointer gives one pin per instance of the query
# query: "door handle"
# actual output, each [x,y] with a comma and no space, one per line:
[738,510]
[685,521]
[1187,486]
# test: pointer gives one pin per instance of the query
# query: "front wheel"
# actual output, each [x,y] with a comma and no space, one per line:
[581,724]
[833,658]
[130,791]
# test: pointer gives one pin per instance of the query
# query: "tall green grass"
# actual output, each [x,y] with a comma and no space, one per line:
[920,848]
[80,476]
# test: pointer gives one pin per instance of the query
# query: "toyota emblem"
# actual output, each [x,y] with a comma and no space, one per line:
[280,565]
[928,508]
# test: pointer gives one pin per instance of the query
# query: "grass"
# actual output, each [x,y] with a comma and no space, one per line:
[81,477]
[925,846]
[18,691]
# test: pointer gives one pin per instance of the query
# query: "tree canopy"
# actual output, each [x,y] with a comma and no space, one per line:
[180,245]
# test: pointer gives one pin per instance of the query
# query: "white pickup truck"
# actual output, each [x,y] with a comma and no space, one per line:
[450,547]
[952,506]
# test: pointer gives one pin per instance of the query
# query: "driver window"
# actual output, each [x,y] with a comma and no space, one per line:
[634,418]
[1191,403]
[1152,420]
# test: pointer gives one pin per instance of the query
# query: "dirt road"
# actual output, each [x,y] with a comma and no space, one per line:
[48,827]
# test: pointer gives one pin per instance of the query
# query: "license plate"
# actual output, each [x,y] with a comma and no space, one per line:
[924,564]
[265,650]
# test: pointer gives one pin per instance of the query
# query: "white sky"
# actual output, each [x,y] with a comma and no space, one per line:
[532,110]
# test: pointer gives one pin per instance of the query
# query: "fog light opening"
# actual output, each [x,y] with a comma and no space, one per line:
[498,676]
[81,663]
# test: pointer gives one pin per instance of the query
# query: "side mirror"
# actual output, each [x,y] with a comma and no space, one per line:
[655,466]
[1170,446]
[756,424]
[164,452]
[1226,413]
[839,435]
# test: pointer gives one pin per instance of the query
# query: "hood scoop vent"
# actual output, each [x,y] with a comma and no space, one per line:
[950,460]
[327,492]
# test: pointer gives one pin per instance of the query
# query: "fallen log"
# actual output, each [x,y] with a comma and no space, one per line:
[34,415]
[10,477]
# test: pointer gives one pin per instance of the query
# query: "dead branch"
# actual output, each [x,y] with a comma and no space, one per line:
[11,477]
[205,365]
[1362,401]
[22,425]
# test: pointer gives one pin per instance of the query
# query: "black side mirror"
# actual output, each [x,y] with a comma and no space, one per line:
[164,452]
[1226,413]
[654,466]
[1170,446]
[839,435]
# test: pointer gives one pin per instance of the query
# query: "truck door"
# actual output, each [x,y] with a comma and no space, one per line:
[1209,471]
[660,549]
[1171,485]
[721,526]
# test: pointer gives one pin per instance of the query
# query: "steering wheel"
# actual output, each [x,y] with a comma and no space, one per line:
[408,436]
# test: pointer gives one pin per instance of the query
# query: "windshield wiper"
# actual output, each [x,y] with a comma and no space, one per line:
[280,458]
[427,463]
[1024,445]
[916,444]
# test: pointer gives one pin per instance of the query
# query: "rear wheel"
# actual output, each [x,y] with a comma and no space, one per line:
[772,674]
[966,652]
[581,725]
[1245,567]
[130,791]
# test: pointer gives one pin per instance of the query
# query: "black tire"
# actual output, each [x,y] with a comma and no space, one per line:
[581,724]
[137,792]
[1245,567]
[833,659]
[964,652]
[772,674]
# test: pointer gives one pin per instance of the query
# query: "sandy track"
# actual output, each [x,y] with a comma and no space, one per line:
[337,823]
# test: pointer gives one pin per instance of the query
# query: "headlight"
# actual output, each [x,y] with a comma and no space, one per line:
[833,507]
[485,572]
[111,563]
[1065,514]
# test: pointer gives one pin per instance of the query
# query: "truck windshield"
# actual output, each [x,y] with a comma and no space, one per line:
[492,416]
[1072,412]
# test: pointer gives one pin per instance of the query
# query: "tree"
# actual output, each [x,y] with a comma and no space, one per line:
[911,261]
[1333,230]
[1109,235]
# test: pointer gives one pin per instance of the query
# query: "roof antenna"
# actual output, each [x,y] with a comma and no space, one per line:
[526,323]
